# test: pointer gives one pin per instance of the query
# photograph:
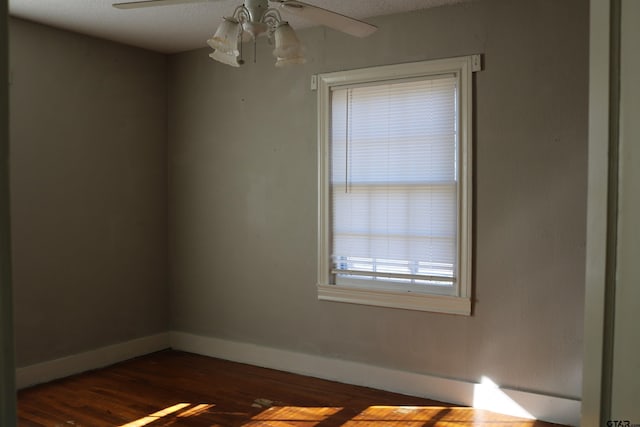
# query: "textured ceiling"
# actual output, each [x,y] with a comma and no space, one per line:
[177,28]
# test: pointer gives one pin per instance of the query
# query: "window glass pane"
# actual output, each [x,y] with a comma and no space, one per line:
[393,187]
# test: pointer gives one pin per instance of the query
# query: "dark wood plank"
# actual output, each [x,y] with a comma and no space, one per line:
[182,389]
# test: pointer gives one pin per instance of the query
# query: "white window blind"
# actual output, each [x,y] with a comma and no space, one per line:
[394,183]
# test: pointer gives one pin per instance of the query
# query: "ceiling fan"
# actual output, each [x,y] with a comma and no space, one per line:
[256,17]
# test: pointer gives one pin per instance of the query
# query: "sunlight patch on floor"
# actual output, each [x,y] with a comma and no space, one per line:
[407,416]
[378,415]
[196,410]
[159,414]
[491,407]
[285,415]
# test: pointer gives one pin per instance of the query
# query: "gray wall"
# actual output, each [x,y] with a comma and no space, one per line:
[243,190]
[88,183]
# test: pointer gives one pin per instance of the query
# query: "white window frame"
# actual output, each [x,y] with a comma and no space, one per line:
[460,301]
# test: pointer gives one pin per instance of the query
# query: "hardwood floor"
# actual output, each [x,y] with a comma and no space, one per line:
[172,388]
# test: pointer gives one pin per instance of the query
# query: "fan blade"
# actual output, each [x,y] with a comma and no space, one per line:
[328,18]
[153,3]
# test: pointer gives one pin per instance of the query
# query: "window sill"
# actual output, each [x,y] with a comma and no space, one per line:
[403,300]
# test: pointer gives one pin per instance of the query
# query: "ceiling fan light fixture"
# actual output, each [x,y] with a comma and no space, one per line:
[256,17]
[226,37]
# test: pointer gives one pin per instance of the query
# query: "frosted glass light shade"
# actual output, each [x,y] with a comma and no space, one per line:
[287,43]
[228,58]
[226,37]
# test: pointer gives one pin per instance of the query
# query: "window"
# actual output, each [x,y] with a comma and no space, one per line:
[395,185]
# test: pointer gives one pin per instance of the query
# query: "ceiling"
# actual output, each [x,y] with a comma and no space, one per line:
[171,29]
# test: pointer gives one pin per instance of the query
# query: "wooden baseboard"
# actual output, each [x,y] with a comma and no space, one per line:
[483,396]
[94,359]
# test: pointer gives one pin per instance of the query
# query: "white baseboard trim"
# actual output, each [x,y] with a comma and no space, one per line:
[485,396]
[94,359]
